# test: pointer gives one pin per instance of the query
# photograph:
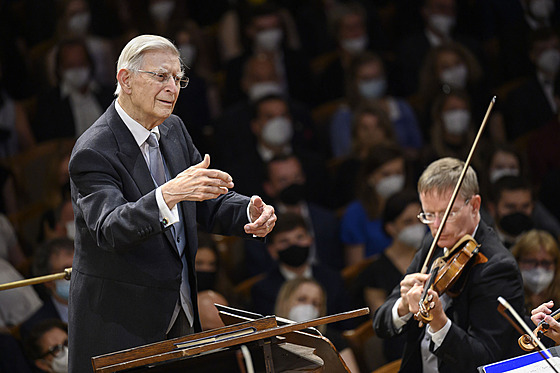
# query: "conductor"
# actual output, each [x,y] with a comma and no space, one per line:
[139,188]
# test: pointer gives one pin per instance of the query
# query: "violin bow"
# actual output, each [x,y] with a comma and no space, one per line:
[457,187]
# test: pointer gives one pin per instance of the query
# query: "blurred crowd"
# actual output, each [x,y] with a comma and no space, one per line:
[329,109]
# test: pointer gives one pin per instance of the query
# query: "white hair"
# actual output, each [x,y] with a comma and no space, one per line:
[132,55]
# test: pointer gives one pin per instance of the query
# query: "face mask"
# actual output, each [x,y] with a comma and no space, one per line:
[262,89]
[79,23]
[294,256]
[354,46]
[303,312]
[70,230]
[161,10]
[549,61]
[498,173]
[269,40]
[441,23]
[541,9]
[516,223]
[455,76]
[456,122]
[389,185]
[188,53]
[59,363]
[412,235]
[537,279]
[76,77]
[205,280]
[277,131]
[372,88]
[63,288]
[292,194]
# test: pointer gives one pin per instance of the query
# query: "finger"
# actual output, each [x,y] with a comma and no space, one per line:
[257,202]
[266,220]
[205,163]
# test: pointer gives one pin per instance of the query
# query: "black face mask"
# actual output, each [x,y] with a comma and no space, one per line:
[294,256]
[205,280]
[516,223]
[292,194]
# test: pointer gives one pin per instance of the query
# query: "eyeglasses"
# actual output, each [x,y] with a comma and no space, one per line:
[534,263]
[430,218]
[163,78]
[55,350]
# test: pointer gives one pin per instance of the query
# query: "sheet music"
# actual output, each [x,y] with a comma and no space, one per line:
[539,366]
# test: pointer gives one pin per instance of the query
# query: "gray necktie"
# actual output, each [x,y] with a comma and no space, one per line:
[156,161]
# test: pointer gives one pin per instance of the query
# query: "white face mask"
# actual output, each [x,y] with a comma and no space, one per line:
[70,229]
[188,53]
[162,10]
[59,363]
[455,76]
[262,89]
[372,88]
[79,23]
[389,185]
[412,235]
[277,131]
[498,173]
[269,40]
[537,279]
[354,46]
[303,312]
[456,122]
[442,23]
[77,77]
[541,9]
[549,61]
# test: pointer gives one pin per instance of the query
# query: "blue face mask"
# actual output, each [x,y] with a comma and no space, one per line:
[63,288]
[372,88]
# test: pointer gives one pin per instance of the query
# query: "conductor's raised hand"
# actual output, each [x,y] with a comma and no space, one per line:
[262,216]
[197,183]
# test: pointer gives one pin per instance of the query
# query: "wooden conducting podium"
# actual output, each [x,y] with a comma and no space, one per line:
[268,344]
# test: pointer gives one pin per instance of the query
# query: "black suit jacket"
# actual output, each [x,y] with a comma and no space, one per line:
[479,334]
[127,271]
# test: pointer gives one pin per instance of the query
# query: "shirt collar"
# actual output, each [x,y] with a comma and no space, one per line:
[139,132]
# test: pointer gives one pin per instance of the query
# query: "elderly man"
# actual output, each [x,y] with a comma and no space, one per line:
[136,211]
[466,331]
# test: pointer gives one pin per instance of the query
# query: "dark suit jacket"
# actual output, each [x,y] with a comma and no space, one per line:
[479,334]
[127,271]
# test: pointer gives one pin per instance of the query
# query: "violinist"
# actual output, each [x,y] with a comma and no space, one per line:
[466,331]
[544,312]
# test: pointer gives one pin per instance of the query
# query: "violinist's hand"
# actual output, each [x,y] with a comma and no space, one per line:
[434,306]
[407,283]
[541,313]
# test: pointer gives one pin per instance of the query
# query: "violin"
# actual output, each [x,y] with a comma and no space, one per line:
[527,343]
[448,273]
[447,270]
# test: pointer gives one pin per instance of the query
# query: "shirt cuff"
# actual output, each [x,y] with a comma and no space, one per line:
[166,216]
[398,321]
[248,214]
[439,336]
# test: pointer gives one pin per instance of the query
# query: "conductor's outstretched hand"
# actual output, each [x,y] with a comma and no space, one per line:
[262,217]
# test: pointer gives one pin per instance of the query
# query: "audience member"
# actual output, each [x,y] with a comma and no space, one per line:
[287,187]
[289,245]
[531,105]
[47,346]
[439,19]
[382,174]
[12,357]
[265,32]
[538,257]
[68,109]
[367,80]
[514,211]
[52,257]
[209,315]
[17,304]
[303,299]
[10,248]
[370,127]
